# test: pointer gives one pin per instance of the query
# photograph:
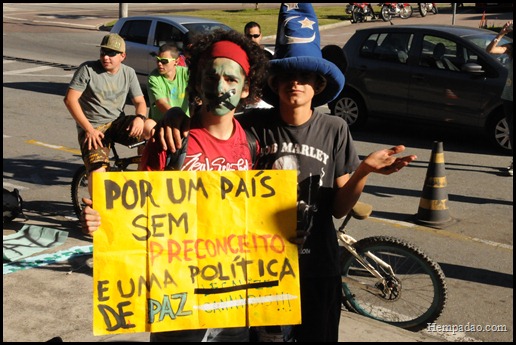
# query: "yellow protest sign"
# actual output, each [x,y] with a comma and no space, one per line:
[189,250]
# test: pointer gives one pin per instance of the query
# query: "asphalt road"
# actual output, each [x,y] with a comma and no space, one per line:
[40,155]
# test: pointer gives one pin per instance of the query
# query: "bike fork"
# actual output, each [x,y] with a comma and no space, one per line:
[347,242]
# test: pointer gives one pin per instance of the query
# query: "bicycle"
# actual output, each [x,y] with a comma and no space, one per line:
[388,279]
[80,178]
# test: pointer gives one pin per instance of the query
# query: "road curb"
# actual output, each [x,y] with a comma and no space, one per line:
[321,28]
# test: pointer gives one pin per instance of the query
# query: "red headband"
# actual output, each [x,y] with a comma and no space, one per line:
[233,51]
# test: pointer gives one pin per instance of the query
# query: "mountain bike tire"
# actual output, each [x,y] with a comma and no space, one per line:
[422,292]
[79,187]
[79,190]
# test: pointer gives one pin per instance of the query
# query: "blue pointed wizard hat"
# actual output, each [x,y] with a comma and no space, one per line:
[298,49]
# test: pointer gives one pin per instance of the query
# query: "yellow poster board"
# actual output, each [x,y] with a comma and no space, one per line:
[189,250]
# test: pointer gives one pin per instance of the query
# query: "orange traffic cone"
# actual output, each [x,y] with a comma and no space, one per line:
[433,207]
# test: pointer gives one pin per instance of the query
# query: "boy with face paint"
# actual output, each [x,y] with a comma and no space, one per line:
[227,71]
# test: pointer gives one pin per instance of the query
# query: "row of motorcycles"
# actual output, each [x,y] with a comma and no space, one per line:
[361,10]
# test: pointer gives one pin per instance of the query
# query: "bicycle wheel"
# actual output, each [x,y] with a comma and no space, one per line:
[79,190]
[414,296]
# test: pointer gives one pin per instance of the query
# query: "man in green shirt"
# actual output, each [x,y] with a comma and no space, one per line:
[167,83]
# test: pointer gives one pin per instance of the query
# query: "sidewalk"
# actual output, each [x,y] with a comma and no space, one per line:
[55,300]
[353,329]
[357,328]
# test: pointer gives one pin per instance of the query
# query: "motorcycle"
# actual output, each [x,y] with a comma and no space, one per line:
[424,8]
[359,11]
[394,9]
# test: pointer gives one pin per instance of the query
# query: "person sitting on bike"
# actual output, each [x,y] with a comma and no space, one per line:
[96,99]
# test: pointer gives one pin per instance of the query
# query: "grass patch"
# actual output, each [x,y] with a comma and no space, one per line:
[266,17]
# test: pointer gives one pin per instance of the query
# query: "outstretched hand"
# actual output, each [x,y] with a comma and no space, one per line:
[384,162]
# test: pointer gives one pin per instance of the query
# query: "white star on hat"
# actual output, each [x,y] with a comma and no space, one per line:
[307,23]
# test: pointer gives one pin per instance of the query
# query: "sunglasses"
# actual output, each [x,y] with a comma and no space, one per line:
[253,36]
[165,61]
[110,53]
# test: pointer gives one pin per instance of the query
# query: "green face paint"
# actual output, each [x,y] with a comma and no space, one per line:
[225,77]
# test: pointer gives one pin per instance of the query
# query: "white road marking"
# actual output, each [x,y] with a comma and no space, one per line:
[443,233]
[29,70]
[12,186]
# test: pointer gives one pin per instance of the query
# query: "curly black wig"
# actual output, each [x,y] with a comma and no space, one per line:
[257,60]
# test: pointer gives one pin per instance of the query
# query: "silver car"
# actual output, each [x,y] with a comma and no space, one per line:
[145,34]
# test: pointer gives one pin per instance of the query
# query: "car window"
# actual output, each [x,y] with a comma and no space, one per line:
[392,47]
[166,33]
[441,53]
[482,41]
[136,31]
[205,27]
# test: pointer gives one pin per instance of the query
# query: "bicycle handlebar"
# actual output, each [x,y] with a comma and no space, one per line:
[132,146]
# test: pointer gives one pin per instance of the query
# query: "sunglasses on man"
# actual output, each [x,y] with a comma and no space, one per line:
[164,61]
[110,53]
[253,35]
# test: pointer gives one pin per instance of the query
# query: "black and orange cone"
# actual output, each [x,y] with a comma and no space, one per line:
[433,206]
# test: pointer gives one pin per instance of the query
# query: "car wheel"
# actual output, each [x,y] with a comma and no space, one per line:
[350,106]
[498,133]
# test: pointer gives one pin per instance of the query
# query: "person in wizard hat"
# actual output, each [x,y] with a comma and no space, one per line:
[295,134]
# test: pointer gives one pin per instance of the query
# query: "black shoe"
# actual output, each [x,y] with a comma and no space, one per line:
[55,340]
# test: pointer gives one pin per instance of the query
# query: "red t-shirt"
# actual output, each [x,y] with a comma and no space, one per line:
[181,61]
[204,152]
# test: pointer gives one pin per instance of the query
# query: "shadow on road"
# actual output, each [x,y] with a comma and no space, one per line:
[58,89]
[478,275]
[457,139]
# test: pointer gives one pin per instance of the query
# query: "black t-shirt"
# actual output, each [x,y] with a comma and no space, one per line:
[320,150]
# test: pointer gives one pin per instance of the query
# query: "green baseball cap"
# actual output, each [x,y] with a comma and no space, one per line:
[114,42]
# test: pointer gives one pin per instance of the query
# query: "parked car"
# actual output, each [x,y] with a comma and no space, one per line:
[145,34]
[423,73]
